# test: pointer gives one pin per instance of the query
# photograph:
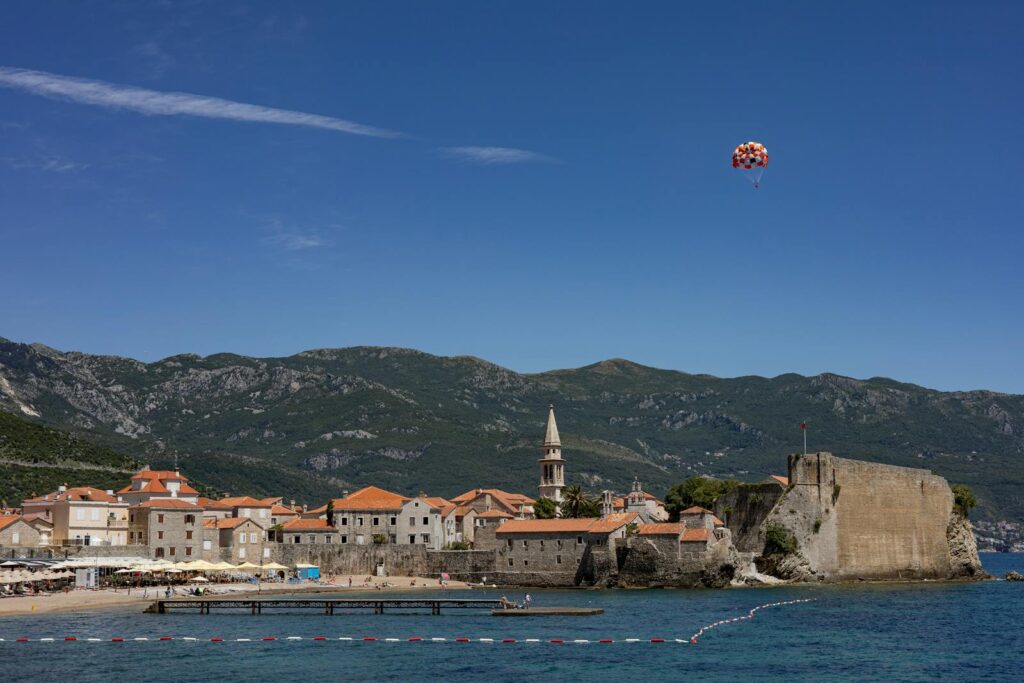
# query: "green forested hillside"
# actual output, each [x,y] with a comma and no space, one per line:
[309,425]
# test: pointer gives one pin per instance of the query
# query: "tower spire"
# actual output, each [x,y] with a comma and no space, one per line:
[552,467]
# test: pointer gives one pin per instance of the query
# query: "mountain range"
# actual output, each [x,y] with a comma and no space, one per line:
[310,425]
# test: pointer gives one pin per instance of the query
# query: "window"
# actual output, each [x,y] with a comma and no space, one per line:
[241,553]
[190,519]
[394,521]
[542,545]
[159,552]
[312,539]
[241,537]
[360,539]
[160,535]
[579,540]
[426,521]
[526,544]
[172,551]
[264,513]
[188,535]
[393,539]
[297,539]
[558,559]
[344,521]
[80,515]
[526,563]
[327,538]
[131,517]
[252,537]
[511,562]
[15,538]
[359,521]
[207,545]
[160,519]
[425,538]
[412,539]
[188,551]
[94,515]
[559,543]
[509,542]
[266,552]
[344,539]
[412,521]
[376,521]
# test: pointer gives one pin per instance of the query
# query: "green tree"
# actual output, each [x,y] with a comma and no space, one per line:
[545,508]
[702,491]
[963,498]
[778,541]
[576,503]
[330,513]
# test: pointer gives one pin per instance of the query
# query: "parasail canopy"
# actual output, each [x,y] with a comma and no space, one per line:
[751,158]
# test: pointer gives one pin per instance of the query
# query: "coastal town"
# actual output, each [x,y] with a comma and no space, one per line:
[158,524]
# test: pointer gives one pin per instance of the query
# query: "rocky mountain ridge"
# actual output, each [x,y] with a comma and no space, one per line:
[310,424]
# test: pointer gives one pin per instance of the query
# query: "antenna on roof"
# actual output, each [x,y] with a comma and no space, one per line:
[175,462]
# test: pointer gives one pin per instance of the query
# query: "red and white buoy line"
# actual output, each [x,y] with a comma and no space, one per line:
[414,639]
[748,615]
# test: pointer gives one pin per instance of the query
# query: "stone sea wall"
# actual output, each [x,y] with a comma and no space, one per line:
[857,520]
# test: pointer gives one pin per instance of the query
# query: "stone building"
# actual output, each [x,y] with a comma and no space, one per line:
[249,507]
[370,515]
[485,529]
[171,527]
[649,507]
[311,531]
[147,484]
[236,539]
[517,505]
[16,531]
[557,545]
[421,521]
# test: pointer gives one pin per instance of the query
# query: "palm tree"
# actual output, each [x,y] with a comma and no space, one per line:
[576,503]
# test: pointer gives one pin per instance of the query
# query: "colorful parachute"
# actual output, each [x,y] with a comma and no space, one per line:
[751,158]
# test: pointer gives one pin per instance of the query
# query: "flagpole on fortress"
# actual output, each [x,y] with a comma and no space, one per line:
[803,428]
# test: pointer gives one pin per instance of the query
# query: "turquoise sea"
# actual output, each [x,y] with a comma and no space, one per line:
[905,632]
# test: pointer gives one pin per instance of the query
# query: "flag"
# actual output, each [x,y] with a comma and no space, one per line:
[803,425]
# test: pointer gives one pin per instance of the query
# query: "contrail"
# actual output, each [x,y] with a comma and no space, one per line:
[157,103]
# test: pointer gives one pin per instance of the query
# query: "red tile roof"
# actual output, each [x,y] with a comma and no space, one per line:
[662,529]
[612,522]
[8,520]
[779,478]
[168,504]
[510,501]
[243,502]
[307,525]
[282,510]
[210,503]
[230,522]
[695,510]
[368,498]
[695,535]
[83,493]
[494,514]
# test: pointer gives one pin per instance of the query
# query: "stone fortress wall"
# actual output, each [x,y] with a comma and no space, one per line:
[862,520]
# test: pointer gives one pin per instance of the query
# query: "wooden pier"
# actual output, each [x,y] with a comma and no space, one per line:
[321,605]
[342,605]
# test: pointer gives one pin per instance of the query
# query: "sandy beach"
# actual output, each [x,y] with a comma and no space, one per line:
[78,600]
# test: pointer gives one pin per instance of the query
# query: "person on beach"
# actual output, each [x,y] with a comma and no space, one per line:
[527,601]
[506,603]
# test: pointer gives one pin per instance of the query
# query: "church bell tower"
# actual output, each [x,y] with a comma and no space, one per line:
[552,467]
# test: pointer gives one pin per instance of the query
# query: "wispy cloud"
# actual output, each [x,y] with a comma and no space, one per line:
[294,241]
[158,103]
[496,155]
[53,164]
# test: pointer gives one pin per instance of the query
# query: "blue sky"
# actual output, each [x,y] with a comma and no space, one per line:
[557,191]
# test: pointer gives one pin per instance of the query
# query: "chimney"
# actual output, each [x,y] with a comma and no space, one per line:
[344,493]
[62,488]
[109,492]
[292,504]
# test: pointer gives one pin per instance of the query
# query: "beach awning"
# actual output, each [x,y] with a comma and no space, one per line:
[223,567]
[306,566]
[200,579]
[133,571]
[274,566]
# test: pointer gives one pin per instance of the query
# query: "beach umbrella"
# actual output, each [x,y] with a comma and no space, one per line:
[223,567]
[200,579]
[248,566]
[172,571]
[273,566]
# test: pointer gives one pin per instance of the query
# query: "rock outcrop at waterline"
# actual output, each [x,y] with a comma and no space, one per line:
[843,520]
